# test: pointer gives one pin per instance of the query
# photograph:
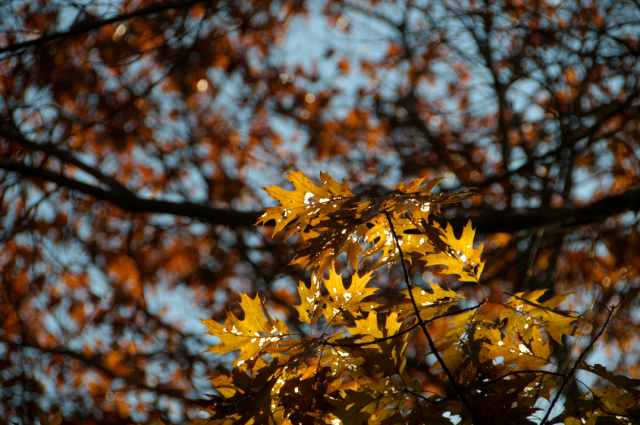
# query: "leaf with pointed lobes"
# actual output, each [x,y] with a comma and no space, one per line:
[459,256]
[600,407]
[341,301]
[384,356]
[377,403]
[332,220]
[524,311]
[311,301]
[244,398]
[254,335]
[516,354]
[306,202]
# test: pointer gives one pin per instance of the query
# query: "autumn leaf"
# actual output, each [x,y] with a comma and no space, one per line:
[459,255]
[629,385]
[430,303]
[310,301]
[341,301]
[301,206]
[516,354]
[56,420]
[523,312]
[332,220]
[254,335]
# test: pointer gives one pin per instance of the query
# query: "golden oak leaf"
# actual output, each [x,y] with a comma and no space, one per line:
[300,206]
[524,311]
[517,354]
[310,301]
[449,342]
[341,300]
[332,220]
[459,257]
[430,304]
[367,326]
[254,335]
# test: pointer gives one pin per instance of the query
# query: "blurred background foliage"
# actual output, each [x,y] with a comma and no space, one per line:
[135,136]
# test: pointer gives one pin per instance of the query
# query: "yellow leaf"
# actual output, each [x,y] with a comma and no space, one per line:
[301,205]
[429,304]
[56,420]
[252,336]
[460,257]
[523,310]
[332,220]
[341,300]
[310,301]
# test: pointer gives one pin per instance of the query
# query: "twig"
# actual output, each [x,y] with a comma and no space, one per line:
[423,325]
[409,329]
[580,358]
[88,26]
[493,381]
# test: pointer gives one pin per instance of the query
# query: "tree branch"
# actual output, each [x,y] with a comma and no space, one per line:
[131,202]
[423,325]
[488,223]
[95,363]
[580,358]
[65,156]
[88,26]
[509,222]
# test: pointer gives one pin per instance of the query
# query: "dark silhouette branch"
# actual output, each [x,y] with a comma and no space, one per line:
[96,363]
[580,358]
[131,202]
[509,221]
[423,325]
[487,223]
[67,157]
[88,26]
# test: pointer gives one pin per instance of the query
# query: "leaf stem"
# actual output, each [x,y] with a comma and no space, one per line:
[423,325]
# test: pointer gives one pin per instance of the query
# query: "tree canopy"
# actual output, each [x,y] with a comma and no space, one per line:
[135,137]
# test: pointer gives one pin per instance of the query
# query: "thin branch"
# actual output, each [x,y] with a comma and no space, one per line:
[500,378]
[64,156]
[580,358]
[131,202]
[409,329]
[509,222]
[423,325]
[95,363]
[88,26]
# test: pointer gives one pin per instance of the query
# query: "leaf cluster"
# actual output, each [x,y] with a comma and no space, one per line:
[346,361]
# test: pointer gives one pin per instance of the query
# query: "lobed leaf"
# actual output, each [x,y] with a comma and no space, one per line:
[457,254]
[254,335]
[302,205]
[333,221]
[341,301]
